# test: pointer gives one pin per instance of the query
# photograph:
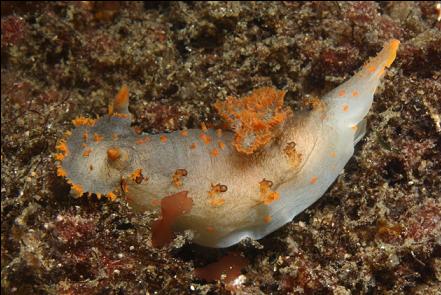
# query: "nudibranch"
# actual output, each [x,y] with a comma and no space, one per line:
[246,181]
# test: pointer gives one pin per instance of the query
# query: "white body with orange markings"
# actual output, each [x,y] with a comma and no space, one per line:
[237,192]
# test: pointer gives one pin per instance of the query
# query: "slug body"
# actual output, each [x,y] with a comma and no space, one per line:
[246,182]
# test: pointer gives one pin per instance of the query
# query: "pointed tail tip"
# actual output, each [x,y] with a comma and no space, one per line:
[391,49]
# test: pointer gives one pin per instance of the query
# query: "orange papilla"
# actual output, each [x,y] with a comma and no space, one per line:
[78,189]
[62,147]
[61,172]
[172,207]
[82,121]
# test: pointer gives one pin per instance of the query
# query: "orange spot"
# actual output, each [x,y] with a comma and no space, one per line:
[203,127]
[142,140]
[354,128]
[341,93]
[87,152]
[205,138]
[81,121]
[221,145]
[113,154]
[216,202]
[210,229]
[184,133]
[163,138]
[345,108]
[172,207]
[85,136]
[332,154]
[97,137]
[355,93]
[313,180]
[214,152]
[193,146]
[227,268]
[177,177]
[267,219]
[219,132]
[371,69]
[137,176]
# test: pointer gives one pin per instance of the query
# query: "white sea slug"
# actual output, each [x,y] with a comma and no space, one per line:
[243,182]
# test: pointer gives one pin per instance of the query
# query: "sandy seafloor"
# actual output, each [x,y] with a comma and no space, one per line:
[377,229]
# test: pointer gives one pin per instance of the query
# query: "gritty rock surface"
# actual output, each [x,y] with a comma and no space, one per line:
[376,230]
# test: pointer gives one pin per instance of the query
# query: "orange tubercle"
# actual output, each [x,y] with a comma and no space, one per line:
[313,180]
[113,154]
[184,133]
[163,138]
[214,152]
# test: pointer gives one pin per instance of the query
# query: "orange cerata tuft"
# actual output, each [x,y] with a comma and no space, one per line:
[254,118]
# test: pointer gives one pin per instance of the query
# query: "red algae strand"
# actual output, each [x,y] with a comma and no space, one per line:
[227,268]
